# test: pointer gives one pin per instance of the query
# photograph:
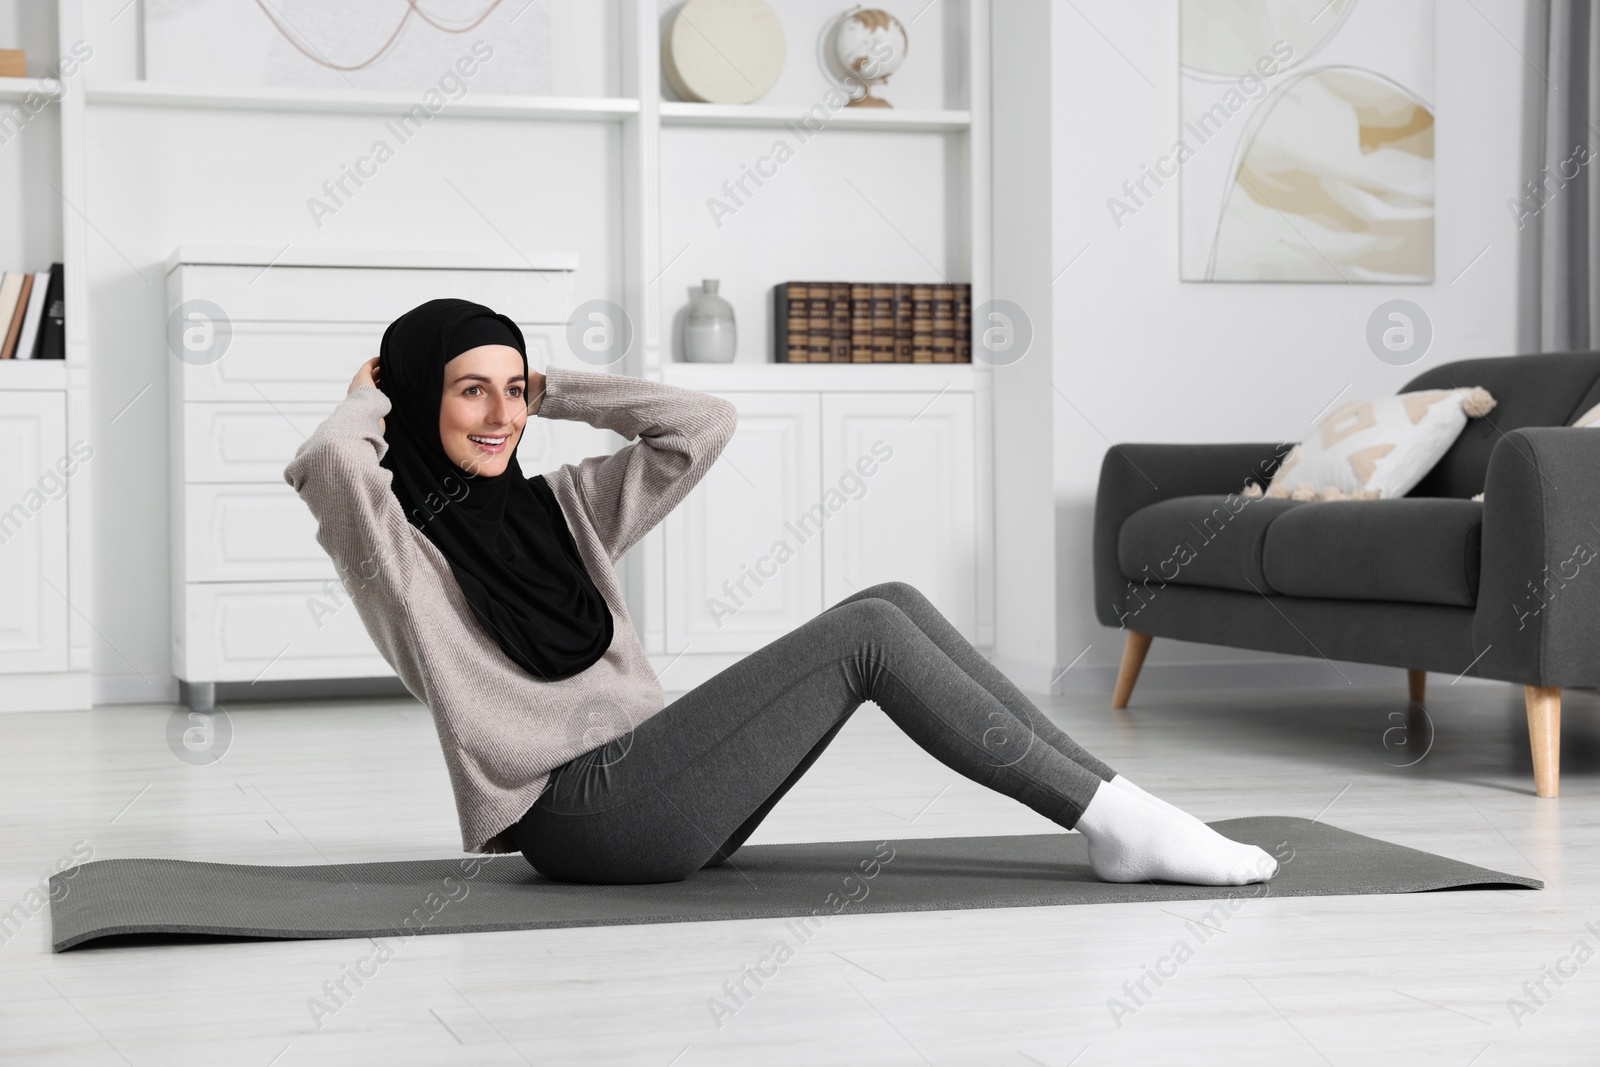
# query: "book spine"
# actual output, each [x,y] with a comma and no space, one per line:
[27,344]
[8,349]
[799,322]
[922,324]
[780,322]
[52,343]
[860,323]
[819,348]
[839,323]
[944,313]
[963,323]
[882,322]
[900,311]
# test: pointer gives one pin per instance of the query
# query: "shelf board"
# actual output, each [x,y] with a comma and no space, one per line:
[32,374]
[873,118]
[359,102]
[419,258]
[17,88]
[828,377]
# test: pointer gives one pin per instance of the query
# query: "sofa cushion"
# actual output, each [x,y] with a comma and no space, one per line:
[1545,389]
[1377,448]
[1213,541]
[1418,550]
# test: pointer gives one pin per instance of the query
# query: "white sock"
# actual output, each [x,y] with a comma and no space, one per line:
[1134,839]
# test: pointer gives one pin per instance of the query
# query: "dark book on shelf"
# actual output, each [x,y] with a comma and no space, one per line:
[963,322]
[789,318]
[52,341]
[944,324]
[900,312]
[882,322]
[922,323]
[860,322]
[839,322]
[819,323]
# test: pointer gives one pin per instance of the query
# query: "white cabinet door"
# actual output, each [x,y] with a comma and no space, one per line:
[742,564]
[35,481]
[898,481]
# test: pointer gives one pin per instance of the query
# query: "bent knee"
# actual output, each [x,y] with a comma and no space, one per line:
[899,593]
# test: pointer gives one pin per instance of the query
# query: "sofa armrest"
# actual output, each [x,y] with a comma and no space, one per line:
[1538,615]
[1135,476]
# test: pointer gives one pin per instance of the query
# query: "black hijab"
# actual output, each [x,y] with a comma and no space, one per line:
[505,536]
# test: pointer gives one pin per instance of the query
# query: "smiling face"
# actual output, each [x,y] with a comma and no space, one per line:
[484,408]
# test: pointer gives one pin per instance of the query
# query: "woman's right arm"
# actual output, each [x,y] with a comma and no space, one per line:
[360,523]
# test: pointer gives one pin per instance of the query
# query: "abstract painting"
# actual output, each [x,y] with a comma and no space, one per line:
[1305,149]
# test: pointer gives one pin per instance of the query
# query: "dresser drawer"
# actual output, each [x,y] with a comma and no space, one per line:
[271,631]
[368,294]
[238,533]
[245,442]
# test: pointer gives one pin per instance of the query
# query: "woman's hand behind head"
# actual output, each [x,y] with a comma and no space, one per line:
[367,375]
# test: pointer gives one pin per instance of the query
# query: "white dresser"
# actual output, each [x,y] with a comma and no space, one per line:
[254,597]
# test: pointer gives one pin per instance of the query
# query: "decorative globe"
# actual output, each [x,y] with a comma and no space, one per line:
[869,44]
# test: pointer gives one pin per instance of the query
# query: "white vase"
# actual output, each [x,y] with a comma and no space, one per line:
[708,327]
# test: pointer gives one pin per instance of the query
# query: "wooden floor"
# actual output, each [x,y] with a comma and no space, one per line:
[1420,979]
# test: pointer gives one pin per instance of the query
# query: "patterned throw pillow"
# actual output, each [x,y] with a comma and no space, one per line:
[1371,449]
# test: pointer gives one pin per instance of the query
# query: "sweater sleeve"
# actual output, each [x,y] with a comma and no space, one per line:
[680,434]
[360,523]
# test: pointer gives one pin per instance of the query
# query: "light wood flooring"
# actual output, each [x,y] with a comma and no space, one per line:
[1419,979]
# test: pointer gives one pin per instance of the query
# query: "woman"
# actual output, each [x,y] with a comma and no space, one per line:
[494,597]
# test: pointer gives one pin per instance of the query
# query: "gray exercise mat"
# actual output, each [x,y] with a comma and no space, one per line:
[446,896]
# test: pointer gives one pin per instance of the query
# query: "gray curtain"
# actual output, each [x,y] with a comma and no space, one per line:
[1558,207]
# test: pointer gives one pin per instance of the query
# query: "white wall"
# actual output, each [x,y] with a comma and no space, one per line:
[1147,358]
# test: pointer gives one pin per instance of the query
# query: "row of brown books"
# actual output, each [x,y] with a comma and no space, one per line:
[32,322]
[872,322]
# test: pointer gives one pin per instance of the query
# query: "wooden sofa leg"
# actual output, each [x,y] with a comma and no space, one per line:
[1544,735]
[1132,660]
[1418,681]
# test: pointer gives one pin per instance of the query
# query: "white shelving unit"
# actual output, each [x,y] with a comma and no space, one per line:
[905,190]
[45,586]
[358,102]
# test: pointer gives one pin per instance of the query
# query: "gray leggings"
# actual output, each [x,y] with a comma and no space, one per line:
[686,787]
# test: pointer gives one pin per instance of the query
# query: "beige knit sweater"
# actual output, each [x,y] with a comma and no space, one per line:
[502,730]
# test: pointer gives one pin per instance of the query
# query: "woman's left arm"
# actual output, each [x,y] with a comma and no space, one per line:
[360,523]
[680,435]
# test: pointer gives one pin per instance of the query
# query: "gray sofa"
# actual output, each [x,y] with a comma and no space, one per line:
[1507,589]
